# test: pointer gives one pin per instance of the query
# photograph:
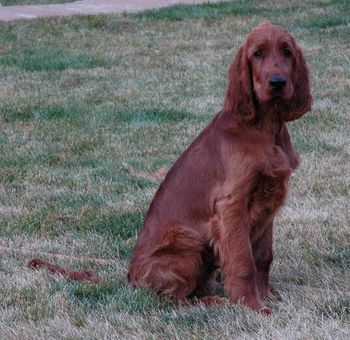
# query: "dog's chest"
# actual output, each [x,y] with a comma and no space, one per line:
[269,187]
[253,195]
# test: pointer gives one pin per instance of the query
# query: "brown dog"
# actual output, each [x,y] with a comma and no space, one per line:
[217,204]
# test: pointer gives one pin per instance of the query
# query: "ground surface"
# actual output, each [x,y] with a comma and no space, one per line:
[95,109]
[31,2]
[83,7]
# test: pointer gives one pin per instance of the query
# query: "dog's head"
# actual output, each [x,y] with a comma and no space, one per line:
[269,68]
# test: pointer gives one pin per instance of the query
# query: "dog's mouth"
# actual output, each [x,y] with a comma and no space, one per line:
[271,94]
[283,95]
[276,93]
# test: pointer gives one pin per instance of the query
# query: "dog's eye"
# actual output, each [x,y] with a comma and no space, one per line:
[258,54]
[288,53]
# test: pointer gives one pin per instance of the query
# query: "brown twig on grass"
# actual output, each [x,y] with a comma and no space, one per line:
[82,276]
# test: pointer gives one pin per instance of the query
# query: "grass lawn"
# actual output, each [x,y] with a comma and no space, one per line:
[95,109]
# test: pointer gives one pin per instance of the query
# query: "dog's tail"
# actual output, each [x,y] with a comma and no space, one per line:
[82,276]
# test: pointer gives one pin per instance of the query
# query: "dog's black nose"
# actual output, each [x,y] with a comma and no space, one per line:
[278,82]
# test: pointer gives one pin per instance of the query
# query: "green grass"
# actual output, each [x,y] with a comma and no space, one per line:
[32,2]
[52,60]
[95,109]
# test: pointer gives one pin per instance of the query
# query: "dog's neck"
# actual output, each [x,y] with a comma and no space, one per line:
[269,119]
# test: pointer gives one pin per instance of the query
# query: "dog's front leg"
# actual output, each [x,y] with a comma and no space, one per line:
[237,263]
[262,252]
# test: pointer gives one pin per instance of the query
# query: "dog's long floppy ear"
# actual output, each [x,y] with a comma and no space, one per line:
[301,100]
[239,94]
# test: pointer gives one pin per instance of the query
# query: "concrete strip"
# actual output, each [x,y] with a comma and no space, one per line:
[84,7]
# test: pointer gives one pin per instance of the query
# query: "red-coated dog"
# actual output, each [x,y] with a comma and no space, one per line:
[217,204]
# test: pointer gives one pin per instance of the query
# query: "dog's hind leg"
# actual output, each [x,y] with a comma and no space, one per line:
[175,267]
